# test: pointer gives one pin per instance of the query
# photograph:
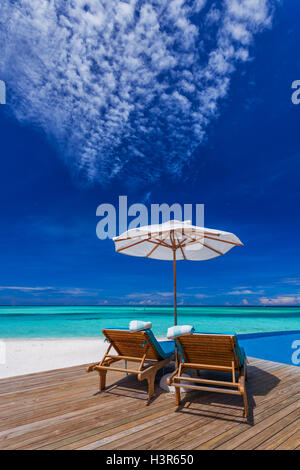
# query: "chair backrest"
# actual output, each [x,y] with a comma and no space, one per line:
[133,344]
[209,349]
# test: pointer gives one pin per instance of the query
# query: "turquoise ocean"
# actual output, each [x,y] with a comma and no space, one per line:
[79,322]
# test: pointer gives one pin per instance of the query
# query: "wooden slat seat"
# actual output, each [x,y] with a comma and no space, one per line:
[140,347]
[211,352]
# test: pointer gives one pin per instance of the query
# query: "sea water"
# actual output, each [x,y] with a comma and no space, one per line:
[87,321]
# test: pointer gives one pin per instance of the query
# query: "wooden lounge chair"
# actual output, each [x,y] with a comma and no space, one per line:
[211,352]
[141,347]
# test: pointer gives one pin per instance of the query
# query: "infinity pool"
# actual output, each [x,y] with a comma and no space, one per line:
[281,346]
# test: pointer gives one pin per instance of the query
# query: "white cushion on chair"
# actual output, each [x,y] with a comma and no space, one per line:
[179,330]
[137,325]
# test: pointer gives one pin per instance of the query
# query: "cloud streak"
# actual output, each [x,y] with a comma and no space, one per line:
[124,86]
[245,292]
[73,291]
[27,288]
[281,300]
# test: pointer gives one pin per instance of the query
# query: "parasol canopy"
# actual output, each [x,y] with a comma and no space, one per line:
[175,241]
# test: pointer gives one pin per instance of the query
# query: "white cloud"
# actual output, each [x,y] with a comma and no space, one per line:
[281,300]
[145,295]
[26,288]
[291,280]
[163,296]
[124,85]
[74,291]
[201,296]
[244,292]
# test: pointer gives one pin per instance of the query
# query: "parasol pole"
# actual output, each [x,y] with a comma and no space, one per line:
[174,248]
[175,293]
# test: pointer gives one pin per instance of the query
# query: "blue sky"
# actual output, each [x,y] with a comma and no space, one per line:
[186,102]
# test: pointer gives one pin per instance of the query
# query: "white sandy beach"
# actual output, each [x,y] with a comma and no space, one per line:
[19,357]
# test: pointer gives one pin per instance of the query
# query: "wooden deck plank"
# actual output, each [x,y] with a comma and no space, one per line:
[60,410]
[280,436]
[279,425]
[230,432]
[240,441]
[88,418]
[213,436]
[291,443]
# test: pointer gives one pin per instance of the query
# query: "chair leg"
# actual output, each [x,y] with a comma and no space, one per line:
[102,379]
[242,388]
[245,399]
[150,381]
[177,396]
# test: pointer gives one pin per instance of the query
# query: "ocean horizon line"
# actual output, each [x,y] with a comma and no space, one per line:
[153,306]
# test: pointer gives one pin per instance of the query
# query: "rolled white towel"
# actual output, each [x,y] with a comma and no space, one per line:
[170,388]
[179,330]
[137,325]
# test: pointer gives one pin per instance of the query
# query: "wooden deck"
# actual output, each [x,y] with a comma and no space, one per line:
[60,410]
